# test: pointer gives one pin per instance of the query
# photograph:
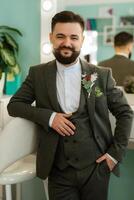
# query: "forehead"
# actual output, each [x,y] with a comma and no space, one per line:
[68,28]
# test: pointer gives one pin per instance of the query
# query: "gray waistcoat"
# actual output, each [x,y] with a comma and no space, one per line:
[79,150]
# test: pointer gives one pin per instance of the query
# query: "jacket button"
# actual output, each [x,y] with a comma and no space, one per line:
[74,141]
[77,159]
[67,158]
[66,140]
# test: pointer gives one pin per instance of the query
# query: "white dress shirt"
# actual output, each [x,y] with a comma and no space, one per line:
[68,86]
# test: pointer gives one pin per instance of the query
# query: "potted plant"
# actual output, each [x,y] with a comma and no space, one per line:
[8,53]
[129,84]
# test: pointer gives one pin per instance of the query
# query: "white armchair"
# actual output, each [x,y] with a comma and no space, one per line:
[17,143]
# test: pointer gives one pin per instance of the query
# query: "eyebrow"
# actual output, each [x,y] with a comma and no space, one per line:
[61,34]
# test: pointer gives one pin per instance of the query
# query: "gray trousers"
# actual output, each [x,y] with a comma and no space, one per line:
[90,183]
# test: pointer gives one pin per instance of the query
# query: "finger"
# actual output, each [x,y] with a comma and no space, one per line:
[64,131]
[110,167]
[68,129]
[110,164]
[102,158]
[60,132]
[70,124]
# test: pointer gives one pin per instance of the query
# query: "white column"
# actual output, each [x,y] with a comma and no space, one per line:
[8,192]
[47,13]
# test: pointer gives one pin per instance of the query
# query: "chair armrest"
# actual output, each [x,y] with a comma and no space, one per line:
[17,139]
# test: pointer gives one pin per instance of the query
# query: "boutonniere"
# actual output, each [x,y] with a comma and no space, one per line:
[98,92]
[88,80]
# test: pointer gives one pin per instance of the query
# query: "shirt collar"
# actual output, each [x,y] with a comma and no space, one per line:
[61,67]
[122,54]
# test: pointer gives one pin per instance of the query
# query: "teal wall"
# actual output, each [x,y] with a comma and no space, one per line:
[92,11]
[122,188]
[25,16]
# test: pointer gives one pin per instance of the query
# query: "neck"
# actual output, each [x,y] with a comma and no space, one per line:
[121,51]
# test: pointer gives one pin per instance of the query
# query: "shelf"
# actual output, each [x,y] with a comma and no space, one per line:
[97,24]
[110,32]
[129,29]
[127,20]
[105,26]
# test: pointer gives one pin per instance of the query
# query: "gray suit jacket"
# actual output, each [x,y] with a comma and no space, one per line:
[121,67]
[40,86]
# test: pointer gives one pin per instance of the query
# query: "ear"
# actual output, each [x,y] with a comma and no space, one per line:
[51,37]
[130,47]
[83,38]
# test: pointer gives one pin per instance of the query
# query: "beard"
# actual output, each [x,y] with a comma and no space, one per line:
[66,59]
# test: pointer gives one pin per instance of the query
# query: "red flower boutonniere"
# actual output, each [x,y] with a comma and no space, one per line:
[88,80]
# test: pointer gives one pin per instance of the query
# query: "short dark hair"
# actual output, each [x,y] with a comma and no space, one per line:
[122,39]
[65,17]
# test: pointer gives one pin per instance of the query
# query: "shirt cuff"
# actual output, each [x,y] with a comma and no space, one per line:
[52,118]
[114,160]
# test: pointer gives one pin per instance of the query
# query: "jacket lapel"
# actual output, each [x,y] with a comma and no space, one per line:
[89,69]
[51,85]
[91,105]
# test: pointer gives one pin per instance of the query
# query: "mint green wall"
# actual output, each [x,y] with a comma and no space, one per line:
[24,15]
[88,11]
[122,188]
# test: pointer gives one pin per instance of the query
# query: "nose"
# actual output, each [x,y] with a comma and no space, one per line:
[67,42]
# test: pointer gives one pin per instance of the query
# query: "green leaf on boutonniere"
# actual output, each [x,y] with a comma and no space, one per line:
[98,92]
[88,80]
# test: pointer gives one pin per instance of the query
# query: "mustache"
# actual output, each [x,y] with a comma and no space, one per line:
[65,47]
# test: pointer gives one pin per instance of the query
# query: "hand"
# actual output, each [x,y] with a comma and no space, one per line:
[62,125]
[108,160]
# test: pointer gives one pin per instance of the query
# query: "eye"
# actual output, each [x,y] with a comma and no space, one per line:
[60,36]
[74,38]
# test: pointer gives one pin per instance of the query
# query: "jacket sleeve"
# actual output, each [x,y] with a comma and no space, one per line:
[119,107]
[20,104]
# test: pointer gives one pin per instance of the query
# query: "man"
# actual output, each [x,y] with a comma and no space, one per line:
[121,64]
[76,148]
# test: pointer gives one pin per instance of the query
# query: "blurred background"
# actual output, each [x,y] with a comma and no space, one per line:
[103,19]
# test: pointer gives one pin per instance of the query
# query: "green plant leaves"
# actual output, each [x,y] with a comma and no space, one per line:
[8,49]
[16,69]
[1,45]
[10,40]
[7,28]
[8,57]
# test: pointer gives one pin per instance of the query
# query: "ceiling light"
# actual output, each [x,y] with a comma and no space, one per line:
[47,48]
[47,5]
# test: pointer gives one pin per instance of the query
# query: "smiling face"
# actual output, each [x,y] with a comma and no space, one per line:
[67,39]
